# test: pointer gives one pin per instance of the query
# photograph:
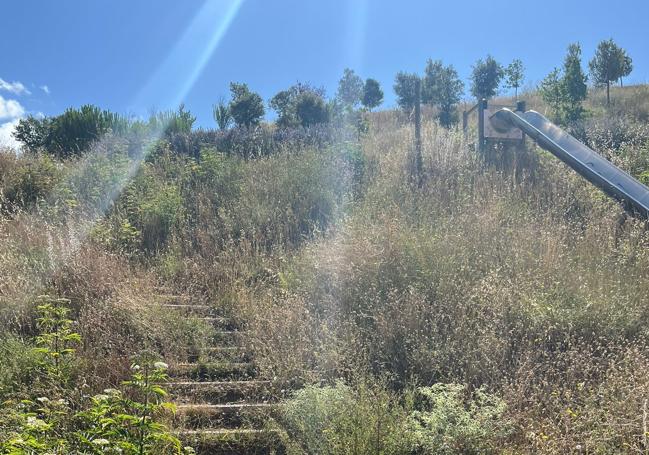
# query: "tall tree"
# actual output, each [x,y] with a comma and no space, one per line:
[514,75]
[405,87]
[372,94]
[246,107]
[609,64]
[443,89]
[350,88]
[221,114]
[485,78]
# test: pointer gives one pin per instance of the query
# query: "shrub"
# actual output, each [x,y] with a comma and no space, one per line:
[448,419]
[341,419]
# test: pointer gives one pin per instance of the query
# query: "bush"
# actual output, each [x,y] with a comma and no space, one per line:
[449,420]
[341,419]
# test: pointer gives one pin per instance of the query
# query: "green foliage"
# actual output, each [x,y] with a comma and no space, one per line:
[448,419]
[485,78]
[28,182]
[222,115]
[311,109]
[300,104]
[246,107]
[344,420]
[566,91]
[350,89]
[126,421]
[71,133]
[514,75]
[443,89]
[20,365]
[609,64]
[405,89]
[574,84]
[372,94]
[173,122]
[56,339]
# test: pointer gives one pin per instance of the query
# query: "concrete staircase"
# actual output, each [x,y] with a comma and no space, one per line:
[222,405]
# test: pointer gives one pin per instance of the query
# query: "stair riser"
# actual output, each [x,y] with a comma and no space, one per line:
[223,394]
[254,444]
[233,372]
[235,355]
[230,419]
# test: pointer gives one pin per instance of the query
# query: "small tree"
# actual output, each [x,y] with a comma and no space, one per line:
[485,78]
[514,74]
[551,91]
[221,114]
[565,92]
[405,88]
[442,88]
[372,94]
[311,109]
[311,99]
[350,89]
[609,64]
[246,107]
[573,84]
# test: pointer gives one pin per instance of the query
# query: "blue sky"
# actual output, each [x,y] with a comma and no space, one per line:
[134,55]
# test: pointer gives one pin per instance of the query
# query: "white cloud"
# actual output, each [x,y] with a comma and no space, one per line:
[14,87]
[6,138]
[46,89]
[10,109]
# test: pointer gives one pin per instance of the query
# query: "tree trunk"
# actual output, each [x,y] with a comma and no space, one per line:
[608,95]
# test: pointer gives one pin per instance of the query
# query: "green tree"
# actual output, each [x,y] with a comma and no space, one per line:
[311,109]
[221,114]
[566,90]
[609,64]
[71,133]
[246,107]
[372,94]
[514,75]
[485,78]
[551,91]
[573,84]
[405,87]
[443,89]
[350,89]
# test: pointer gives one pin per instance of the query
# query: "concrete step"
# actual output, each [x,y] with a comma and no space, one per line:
[228,338]
[221,441]
[216,392]
[213,371]
[228,415]
[219,354]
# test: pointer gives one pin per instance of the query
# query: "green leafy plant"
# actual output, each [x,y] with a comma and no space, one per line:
[56,340]
[449,420]
[128,422]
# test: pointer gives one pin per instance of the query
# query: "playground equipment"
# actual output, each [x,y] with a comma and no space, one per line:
[502,124]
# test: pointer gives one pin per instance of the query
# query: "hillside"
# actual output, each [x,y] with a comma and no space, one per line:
[500,306]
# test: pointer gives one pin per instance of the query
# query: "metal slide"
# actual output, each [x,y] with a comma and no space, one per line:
[587,163]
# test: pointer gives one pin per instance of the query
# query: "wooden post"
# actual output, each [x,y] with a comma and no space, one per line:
[465,123]
[482,105]
[418,161]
